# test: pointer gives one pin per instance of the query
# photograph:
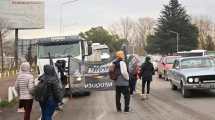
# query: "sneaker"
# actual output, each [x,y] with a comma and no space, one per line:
[119,110]
[20,110]
[126,110]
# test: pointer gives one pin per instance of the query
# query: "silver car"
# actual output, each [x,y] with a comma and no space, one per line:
[192,73]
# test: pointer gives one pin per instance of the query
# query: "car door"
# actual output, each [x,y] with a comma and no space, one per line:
[175,73]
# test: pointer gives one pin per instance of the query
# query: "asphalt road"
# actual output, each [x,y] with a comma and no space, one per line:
[163,104]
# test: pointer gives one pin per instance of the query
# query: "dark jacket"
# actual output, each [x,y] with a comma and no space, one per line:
[50,78]
[147,70]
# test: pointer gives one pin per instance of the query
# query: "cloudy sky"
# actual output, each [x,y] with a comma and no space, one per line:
[84,14]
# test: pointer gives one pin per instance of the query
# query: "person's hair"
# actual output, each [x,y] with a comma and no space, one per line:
[147,59]
[120,55]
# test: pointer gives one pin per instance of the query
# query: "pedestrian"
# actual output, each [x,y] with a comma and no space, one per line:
[133,73]
[54,94]
[24,84]
[147,70]
[122,82]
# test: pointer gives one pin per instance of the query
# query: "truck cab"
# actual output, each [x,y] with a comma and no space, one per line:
[68,57]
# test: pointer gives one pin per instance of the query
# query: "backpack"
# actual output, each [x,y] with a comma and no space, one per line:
[41,92]
[113,72]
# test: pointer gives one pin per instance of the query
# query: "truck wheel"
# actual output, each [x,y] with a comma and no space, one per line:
[173,87]
[185,92]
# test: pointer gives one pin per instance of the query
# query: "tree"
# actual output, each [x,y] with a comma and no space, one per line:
[3,33]
[100,35]
[208,43]
[206,31]
[174,18]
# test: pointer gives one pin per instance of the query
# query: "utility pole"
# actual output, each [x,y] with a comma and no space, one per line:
[2,54]
[16,48]
[177,39]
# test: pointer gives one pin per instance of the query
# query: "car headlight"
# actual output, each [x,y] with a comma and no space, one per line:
[190,80]
[196,80]
[78,79]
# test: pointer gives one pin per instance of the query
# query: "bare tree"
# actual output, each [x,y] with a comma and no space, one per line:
[145,27]
[206,29]
[3,33]
[123,28]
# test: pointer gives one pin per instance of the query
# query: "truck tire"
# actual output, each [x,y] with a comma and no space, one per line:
[173,87]
[185,93]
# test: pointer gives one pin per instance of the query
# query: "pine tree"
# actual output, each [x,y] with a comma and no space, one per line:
[174,18]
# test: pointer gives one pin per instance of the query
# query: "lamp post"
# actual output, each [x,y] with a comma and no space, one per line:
[177,37]
[61,12]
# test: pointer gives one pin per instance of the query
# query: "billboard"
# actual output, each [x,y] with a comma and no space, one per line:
[23,14]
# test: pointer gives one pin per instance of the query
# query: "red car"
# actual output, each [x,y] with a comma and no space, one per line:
[164,65]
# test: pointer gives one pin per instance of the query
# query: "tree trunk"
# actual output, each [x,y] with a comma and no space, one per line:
[1,51]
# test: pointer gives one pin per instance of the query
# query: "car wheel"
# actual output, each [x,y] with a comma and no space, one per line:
[173,87]
[159,75]
[165,76]
[185,92]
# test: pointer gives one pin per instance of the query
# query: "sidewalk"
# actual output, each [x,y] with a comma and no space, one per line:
[11,114]
[4,84]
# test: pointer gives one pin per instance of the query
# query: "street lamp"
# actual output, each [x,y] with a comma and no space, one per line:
[61,12]
[177,37]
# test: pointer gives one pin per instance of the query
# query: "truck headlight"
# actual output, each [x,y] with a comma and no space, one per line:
[196,80]
[190,80]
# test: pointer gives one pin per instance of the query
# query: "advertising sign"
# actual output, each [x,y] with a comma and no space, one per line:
[23,14]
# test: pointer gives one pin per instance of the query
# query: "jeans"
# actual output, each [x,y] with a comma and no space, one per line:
[48,108]
[144,84]
[132,83]
[125,91]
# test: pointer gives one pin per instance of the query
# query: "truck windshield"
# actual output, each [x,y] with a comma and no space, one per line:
[197,63]
[62,50]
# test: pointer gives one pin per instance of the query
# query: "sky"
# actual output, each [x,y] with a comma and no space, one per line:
[83,14]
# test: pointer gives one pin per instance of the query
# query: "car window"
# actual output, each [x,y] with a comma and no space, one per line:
[197,63]
[176,64]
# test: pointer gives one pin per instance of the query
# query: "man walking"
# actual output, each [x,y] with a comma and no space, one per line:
[122,81]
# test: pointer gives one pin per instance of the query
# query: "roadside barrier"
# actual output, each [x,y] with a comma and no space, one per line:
[7,73]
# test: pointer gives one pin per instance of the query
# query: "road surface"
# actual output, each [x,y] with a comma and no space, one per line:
[163,104]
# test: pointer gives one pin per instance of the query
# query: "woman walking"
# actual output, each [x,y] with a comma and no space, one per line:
[147,70]
[24,84]
[54,95]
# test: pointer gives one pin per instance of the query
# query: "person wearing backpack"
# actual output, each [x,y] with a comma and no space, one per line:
[121,81]
[23,85]
[49,101]
[147,70]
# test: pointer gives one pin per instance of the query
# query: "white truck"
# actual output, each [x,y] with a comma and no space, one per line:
[68,57]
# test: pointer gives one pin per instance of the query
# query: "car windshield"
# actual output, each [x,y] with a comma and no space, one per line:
[105,50]
[170,60]
[56,51]
[197,63]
